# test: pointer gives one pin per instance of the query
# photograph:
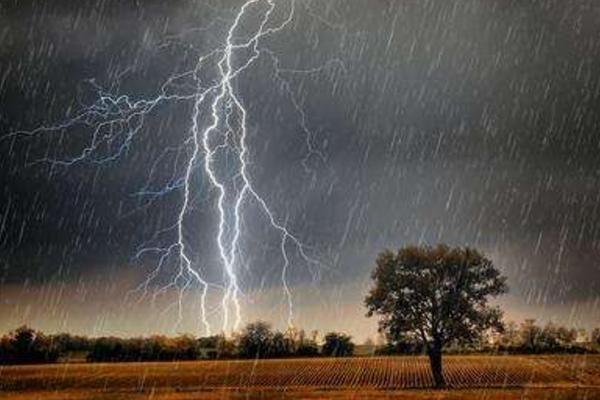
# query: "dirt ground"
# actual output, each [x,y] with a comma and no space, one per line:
[470,377]
[315,394]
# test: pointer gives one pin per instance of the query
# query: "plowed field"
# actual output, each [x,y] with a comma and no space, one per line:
[378,376]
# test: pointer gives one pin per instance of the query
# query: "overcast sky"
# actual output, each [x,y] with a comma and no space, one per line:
[466,122]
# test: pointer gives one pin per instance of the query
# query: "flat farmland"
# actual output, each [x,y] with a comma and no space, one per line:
[482,377]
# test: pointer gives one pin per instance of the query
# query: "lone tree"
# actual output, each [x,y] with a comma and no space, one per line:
[436,296]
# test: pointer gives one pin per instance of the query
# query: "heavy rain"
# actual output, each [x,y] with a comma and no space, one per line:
[194,166]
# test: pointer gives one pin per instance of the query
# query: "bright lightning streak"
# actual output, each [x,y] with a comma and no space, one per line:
[227,94]
[117,120]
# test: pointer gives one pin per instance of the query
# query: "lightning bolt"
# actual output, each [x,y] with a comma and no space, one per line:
[116,120]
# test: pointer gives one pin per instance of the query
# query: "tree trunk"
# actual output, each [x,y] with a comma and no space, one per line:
[435,361]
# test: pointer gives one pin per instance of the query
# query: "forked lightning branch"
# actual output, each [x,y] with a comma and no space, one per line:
[217,129]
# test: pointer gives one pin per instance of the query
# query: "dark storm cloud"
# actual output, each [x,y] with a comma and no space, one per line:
[471,122]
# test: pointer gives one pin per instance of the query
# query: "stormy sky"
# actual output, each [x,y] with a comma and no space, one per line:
[464,122]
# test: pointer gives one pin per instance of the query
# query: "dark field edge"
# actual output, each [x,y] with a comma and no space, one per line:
[513,393]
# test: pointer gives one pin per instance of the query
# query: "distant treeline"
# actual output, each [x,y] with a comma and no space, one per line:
[25,346]
[257,340]
[524,338]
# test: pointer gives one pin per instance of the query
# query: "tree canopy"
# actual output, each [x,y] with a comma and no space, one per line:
[338,345]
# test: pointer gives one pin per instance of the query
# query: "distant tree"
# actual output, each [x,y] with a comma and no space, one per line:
[255,340]
[307,348]
[23,339]
[510,336]
[152,348]
[548,337]
[185,347]
[337,345]
[26,346]
[404,347]
[209,342]
[226,348]
[294,335]
[582,336]
[216,346]
[595,337]
[314,335]
[554,338]
[530,335]
[281,346]
[566,336]
[67,343]
[437,295]
[106,349]
[300,344]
